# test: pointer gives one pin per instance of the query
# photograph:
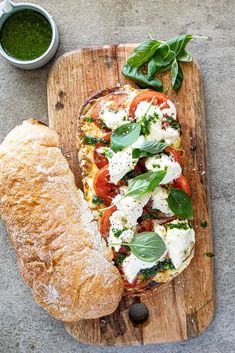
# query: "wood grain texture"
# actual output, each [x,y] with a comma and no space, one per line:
[183,308]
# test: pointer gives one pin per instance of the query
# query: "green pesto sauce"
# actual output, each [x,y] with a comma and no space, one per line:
[26,35]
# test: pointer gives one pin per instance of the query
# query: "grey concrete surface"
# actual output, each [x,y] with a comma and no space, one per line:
[25,327]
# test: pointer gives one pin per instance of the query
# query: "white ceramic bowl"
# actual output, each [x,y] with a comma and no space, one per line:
[7,8]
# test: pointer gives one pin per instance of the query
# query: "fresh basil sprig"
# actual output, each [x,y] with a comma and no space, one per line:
[159,56]
[144,183]
[149,148]
[180,203]
[124,136]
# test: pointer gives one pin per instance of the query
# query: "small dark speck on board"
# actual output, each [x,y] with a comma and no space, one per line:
[59,106]
[61,94]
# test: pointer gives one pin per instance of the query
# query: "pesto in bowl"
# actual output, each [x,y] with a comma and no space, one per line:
[26,35]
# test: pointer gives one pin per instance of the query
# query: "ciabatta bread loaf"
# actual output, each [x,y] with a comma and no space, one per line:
[60,252]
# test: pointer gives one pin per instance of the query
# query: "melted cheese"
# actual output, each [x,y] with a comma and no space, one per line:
[159,198]
[120,163]
[129,209]
[179,242]
[113,118]
[164,162]
[143,107]
[157,133]
[132,266]
[159,229]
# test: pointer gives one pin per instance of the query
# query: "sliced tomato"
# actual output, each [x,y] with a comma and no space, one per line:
[175,154]
[182,183]
[117,100]
[102,186]
[156,98]
[99,158]
[105,223]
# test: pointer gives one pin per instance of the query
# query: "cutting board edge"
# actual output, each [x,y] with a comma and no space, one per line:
[170,341]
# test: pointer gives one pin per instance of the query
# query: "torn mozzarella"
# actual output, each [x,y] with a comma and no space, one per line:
[129,209]
[164,162]
[146,107]
[113,118]
[159,198]
[179,242]
[132,266]
[159,229]
[157,133]
[121,162]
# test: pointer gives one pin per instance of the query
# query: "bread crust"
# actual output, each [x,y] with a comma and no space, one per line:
[60,252]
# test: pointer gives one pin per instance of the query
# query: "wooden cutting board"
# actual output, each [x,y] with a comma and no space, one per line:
[183,308]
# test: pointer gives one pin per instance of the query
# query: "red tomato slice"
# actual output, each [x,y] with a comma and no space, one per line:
[105,223]
[118,99]
[176,154]
[100,159]
[102,186]
[182,183]
[157,97]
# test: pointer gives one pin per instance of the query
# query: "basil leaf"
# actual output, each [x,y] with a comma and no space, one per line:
[144,183]
[147,246]
[152,68]
[180,203]
[179,43]
[176,76]
[142,80]
[143,52]
[124,136]
[148,148]
[161,62]
[164,50]
[179,79]
[186,56]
